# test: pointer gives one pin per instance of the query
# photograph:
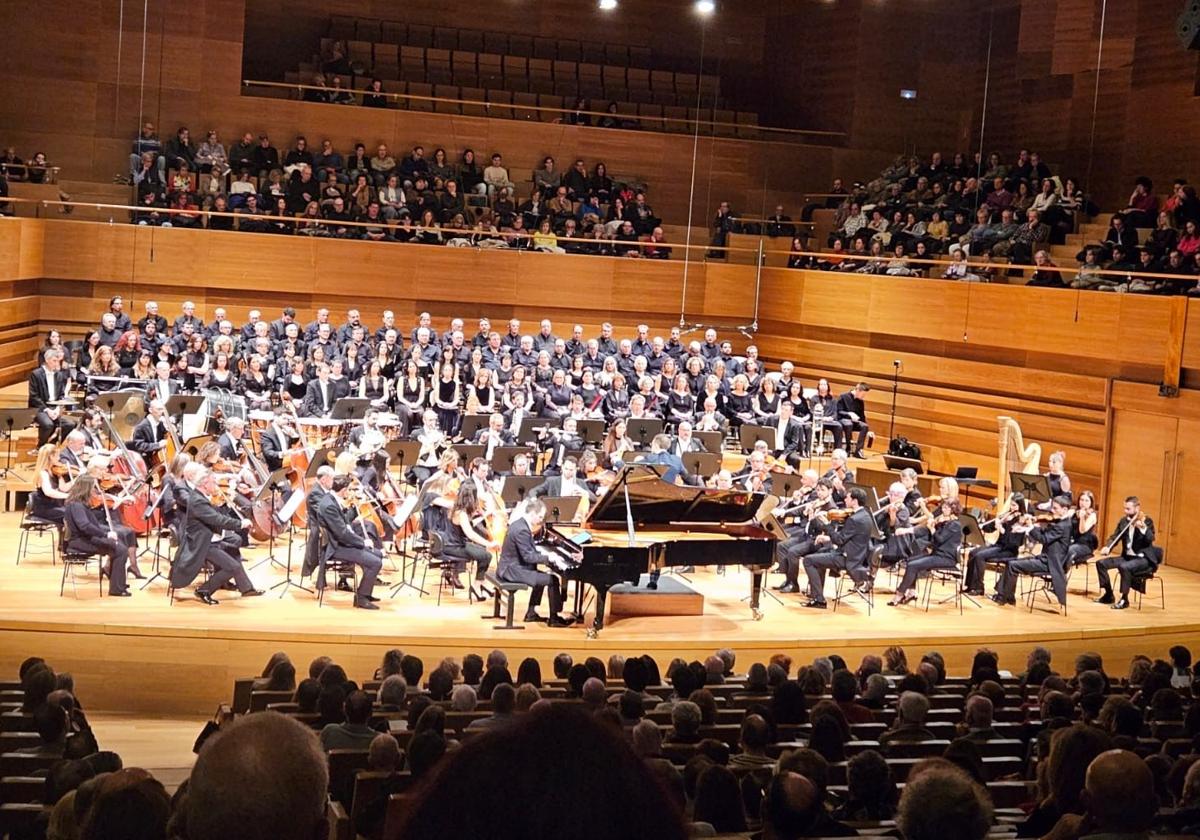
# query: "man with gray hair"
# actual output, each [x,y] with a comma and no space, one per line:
[977,715]
[729,658]
[261,778]
[685,723]
[911,712]
[393,693]
[47,385]
[463,699]
[943,802]
[647,739]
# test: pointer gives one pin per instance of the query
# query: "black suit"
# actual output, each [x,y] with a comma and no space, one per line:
[148,437]
[155,392]
[852,555]
[273,448]
[693,445]
[39,395]
[943,545]
[319,399]
[84,533]
[795,440]
[484,436]
[1055,539]
[848,404]
[342,544]
[200,522]
[231,450]
[519,559]
[1138,555]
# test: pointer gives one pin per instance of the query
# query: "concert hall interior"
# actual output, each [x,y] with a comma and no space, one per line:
[616,328]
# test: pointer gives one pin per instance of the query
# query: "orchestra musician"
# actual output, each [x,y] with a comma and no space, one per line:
[566,483]
[92,423]
[73,454]
[367,443]
[1004,550]
[230,442]
[912,496]
[519,559]
[685,440]
[433,444]
[815,498]
[710,419]
[839,474]
[852,415]
[320,394]
[1084,541]
[85,534]
[560,442]
[941,539]
[163,386]
[1139,555]
[201,529]
[343,543]
[48,497]
[849,549]
[756,475]
[275,441]
[493,435]
[892,518]
[1055,539]
[48,384]
[465,542]
[617,444]
[150,435]
[791,440]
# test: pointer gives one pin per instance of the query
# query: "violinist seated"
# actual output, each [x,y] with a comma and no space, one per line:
[366,444]
[235,483]
[894,520]
[852,415]
[756,475]
[276,440]
[74,455]
[791,441]
[150,435]
[493,435]
[344,544]
[801,540]
[1054,534]
[1139,555]
[944,537]
[320,394]
[710,419]
[1004,550]
[47,384]
[93,422]
[847,548]
[685,440]
[567,483]
[839,473]
[48,498]
[84,534]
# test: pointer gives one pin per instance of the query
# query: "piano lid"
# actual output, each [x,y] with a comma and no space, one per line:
[653,501]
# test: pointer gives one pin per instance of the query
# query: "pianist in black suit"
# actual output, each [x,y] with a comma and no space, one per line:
[850,550]
[519,559]
[48,383]
[320,396]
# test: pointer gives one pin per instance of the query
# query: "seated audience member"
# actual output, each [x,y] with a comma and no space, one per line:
[129,804]
[911,711]
[1118,797]
[593,769]
[752,744]
[941,803]
[718,801]
[1072,749]
[844,688]
[685,723]
[232,794]
[354,733]
[871,793]
[811,766]
[977,717]
[504,698]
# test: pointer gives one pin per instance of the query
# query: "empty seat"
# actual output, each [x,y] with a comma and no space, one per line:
[474,94]
[447,92]
[686,83]
[747,124]
[662,80]
[725,120]
[567,89]
[710,85]
[552,106]
[591,73]
[569,50]
[650,116]
[393,32]
[500,103]
[491,68]
[387,59]
[677,119]
[420,89]
[516,67]
[614,77]
[665,98]
[420,35]
[639,79]
[445,37]
[640,57]
[545,48]
[520,99]
[541,68]
[366,29]
[341,28]
[437,66]
[495,42]
[520,45]
[470,39]
[361,53]
[617,54]
[642,97]
[593,52]
[540,85]
[566,71]
[463,61]
[412,61]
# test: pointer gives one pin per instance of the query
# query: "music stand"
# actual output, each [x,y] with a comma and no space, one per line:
[323,456]
[897,463]
[592,431]
[517,487]
[267,493]
[192,445]
[472,423]
[468,452]
[561,508]
[749,435]
[178,405]
[110,400]
[872,496]
[349,408]
[784,484]
[502,457]
[972,534]
[643,429]
[1035,488]
[701,463]
[711,440]
[527,433]
[10,420]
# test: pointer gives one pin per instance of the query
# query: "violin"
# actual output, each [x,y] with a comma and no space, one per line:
[835,515]
[932,502]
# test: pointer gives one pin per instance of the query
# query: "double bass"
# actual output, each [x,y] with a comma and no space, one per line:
[131,470]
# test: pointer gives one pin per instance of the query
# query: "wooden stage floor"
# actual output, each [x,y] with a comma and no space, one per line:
[143,654]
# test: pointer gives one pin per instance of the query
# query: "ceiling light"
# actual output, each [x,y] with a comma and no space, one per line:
[705,7]
[608,5]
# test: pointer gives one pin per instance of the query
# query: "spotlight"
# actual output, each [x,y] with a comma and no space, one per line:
[608,5]
[705,7]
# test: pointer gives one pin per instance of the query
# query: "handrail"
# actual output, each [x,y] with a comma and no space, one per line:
[522,106]
[766,221]
[52,170]
[297,221]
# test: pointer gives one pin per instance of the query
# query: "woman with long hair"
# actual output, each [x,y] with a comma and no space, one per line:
[48,498]
[85,534]
[464,543]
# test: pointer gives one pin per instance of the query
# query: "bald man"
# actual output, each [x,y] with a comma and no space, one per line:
[1119,798]
[262,777]
[791,807]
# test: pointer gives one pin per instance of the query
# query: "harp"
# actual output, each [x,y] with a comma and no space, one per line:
[1015,455]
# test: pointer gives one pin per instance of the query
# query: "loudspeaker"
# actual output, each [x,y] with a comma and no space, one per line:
[1187,25]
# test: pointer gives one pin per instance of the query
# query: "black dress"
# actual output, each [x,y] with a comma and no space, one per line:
[43,507]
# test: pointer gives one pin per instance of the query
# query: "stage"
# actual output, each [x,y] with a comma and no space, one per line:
[143,654]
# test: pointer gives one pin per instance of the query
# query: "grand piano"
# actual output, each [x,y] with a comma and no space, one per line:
[645,524]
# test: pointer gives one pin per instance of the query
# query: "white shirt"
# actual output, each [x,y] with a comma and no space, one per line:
[781,434]
[51,396]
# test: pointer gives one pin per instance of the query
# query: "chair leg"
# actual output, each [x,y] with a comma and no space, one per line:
[1162,592]
[62,586]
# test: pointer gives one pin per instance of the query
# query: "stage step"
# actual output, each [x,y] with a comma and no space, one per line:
[673,597]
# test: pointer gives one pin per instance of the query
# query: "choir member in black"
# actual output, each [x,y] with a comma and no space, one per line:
[849,549]
[47,384]
[319,395]
[829,417]
[791,440]
[739,403]
[944,535]
[892,518]
[339,379]
[766,401]
[200,523]
[47,499]
[1003,550]
[464,541]
[295,383]
[85,533]
[1134,534]
[374,386]
[410,400]
[1055,539]
[255,385]
[1084,540]
[852,415]
[557,398]
[446,399]
[344,543]
[801,541]
[276,440]
[519,559]
[150,435]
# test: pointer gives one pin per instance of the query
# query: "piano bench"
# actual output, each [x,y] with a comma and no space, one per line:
[503,587]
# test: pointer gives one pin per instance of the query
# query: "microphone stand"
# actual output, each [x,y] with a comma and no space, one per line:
[896,366]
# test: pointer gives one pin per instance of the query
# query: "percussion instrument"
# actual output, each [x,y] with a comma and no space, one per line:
[317,432]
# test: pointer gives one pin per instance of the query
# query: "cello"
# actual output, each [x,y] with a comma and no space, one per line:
[136,482]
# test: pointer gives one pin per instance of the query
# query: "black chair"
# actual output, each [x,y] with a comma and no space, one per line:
[844,577]
[339,568]
[36,526]
[72,560]
[1139,586]
[1040,583]
[955,577]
